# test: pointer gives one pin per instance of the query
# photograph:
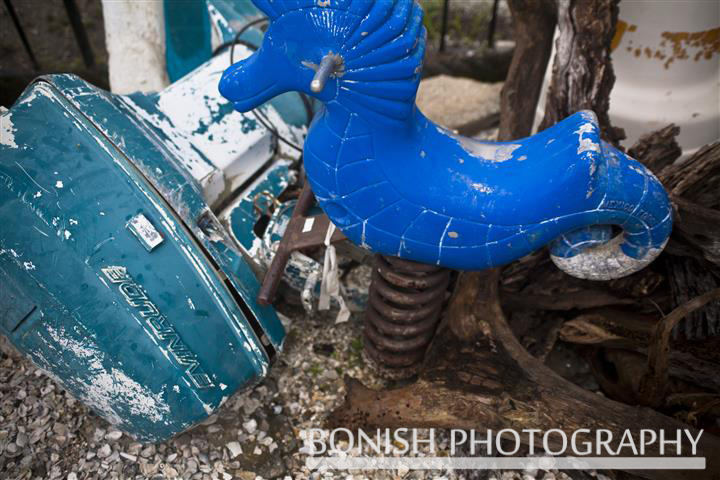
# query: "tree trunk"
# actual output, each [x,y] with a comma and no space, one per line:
[533,28]
[582,75]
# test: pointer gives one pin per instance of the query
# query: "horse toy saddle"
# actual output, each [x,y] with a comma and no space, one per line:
[396,183]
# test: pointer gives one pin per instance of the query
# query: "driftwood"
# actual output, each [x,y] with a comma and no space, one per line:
[654,381]
[499,385]
[696,231]
[694,186]
[697,179]
[657,149]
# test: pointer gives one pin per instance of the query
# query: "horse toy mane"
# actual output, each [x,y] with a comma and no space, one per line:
[398,184]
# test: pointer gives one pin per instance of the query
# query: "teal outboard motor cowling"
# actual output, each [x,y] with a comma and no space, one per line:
[115,275]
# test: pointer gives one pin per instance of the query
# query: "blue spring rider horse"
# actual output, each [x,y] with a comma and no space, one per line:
[396,183]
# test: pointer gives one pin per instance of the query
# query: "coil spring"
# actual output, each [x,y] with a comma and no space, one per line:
[403,311]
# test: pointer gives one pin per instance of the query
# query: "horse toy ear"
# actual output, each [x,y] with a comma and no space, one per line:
[398,184]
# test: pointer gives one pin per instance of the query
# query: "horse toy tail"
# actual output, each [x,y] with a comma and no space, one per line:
[594,252]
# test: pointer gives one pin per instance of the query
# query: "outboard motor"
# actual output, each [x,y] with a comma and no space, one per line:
[116,275]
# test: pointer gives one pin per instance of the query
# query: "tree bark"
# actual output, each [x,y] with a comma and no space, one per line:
[582,75]
[533,28]
[697,179]
[658,149]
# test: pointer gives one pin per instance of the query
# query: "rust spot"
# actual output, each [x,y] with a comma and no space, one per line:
[673,46]
[620,30]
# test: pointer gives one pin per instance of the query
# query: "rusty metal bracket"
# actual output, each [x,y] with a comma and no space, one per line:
[303,231]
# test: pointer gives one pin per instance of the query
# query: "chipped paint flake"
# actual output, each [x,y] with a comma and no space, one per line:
[605,262]
[490,152]
[59,184]
[106,389]
[586,144]
[481,187]
[67,234]
[7,130]
[28,266]
[362,236]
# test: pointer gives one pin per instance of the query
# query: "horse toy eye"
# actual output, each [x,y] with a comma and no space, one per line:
[398,184]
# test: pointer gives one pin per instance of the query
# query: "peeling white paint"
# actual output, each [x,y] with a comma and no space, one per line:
[38,194]
[490,152]
[28,266]
[220,150]
[223,386]
[67,234]
[73,221]
[481,187]
[362,236]
[59,184]
[217,20]
[586,144]
[105,388]
[29,98]
[605,262]
[7,130]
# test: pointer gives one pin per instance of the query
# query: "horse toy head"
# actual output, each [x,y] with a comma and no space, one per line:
[335,48]
[398,184]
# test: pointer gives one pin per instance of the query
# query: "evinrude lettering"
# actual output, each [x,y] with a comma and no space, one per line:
[136,297]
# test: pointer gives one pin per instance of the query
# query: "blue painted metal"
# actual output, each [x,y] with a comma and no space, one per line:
[396,183]
[153,336]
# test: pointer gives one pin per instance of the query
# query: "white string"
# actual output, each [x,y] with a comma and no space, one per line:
[330,286]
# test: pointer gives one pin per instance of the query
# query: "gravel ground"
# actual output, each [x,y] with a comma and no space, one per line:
[46,433]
